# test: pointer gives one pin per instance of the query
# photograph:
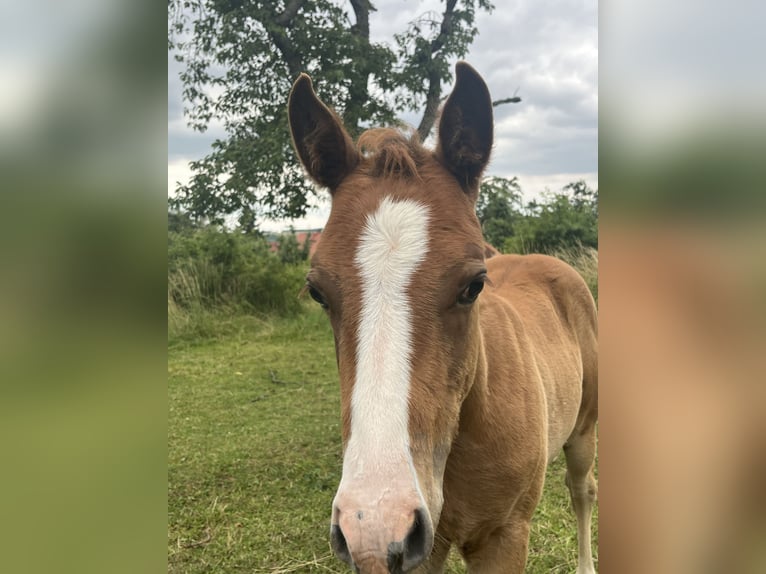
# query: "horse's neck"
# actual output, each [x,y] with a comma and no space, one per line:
[477,401]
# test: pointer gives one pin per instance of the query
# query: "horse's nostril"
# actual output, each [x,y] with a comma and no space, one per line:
[338,543]
[418,542]
[395,557]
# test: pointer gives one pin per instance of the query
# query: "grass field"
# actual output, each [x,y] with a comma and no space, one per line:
[254,454]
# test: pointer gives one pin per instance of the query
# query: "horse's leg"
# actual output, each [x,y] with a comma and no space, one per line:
[435,562]
[505,550]
[502,552]
[580,451]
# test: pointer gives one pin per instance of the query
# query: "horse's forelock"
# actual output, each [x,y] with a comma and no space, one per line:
[388,152]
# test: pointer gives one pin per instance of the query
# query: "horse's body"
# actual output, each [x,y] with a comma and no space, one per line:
[452,404]
[535,394]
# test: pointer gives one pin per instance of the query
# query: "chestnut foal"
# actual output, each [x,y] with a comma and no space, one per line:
[460,377]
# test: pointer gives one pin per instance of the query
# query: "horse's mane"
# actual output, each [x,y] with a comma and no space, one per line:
[388,152]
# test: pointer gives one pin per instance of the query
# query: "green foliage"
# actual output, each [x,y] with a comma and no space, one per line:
[212,268]
[499,208]
[306,248]
[180,221]
[240,60]
[562,220]
[289,251]
[567,220]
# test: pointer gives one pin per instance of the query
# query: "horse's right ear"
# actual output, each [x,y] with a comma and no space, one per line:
[324,147]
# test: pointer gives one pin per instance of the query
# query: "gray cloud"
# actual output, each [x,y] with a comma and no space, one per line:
[548,51]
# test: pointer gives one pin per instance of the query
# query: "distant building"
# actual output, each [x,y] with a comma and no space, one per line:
[300,235]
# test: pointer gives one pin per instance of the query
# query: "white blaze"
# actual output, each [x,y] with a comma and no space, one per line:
[392,245]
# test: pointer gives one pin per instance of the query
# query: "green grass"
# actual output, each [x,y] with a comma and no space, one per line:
[254,453]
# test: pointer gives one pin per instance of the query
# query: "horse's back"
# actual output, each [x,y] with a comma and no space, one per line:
[556,315]
[529,281]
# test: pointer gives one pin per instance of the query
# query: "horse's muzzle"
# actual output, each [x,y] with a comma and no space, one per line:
[369,552]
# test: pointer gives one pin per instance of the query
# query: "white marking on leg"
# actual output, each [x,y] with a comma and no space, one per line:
[584,552]
[392,245]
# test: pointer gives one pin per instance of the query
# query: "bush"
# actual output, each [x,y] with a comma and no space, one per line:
[561,221]
[211,268]
[498,208]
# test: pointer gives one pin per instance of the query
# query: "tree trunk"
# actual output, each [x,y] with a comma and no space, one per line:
[433,96]
[277,30]
[358,92]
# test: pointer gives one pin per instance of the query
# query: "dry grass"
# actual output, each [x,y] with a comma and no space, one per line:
[585,260]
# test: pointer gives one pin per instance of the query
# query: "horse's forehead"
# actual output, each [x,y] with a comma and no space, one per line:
[450,223]
[354,204]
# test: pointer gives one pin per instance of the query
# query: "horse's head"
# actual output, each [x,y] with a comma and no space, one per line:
[399,266]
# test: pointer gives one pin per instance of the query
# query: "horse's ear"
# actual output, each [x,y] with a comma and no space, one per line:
[324,147]
[465,128]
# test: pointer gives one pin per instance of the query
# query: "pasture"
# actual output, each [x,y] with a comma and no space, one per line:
[254,453]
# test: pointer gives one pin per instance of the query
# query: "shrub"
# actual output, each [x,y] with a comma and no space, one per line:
[554,221]
[561,221]
[212,268]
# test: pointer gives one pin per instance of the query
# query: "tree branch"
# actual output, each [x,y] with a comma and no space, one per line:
[290,11]
[362,10]
[513,100]
[434,79]
[282,42]
[444,29]
[358,92]
[276,27]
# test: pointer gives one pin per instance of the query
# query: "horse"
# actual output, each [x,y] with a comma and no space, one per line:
[461,376]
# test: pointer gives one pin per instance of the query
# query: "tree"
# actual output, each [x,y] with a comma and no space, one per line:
[498,208]
[180,222]
[240,59]
[290,251]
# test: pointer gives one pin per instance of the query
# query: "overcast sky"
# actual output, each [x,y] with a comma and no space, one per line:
[545,49]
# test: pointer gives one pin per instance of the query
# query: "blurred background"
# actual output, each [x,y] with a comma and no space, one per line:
[682,282]
[82,360]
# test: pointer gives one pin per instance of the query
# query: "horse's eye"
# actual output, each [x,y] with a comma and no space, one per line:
[469,294]
[317,296]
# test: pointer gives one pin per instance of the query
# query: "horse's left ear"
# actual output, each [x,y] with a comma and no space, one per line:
[323,145]
[465,129]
